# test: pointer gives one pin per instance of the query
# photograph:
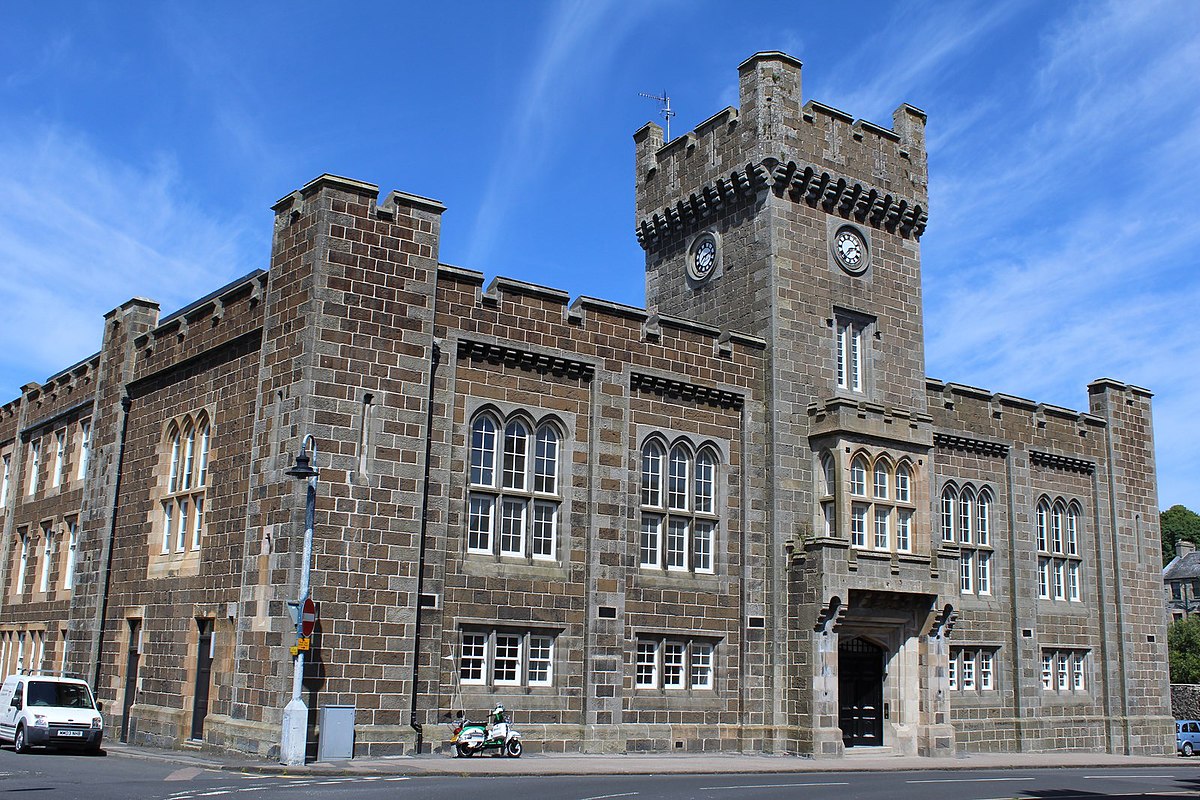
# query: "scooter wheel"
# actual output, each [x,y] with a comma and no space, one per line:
[464,751]
[513,748]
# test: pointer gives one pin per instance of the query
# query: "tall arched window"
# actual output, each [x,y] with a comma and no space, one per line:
[828,493]
[858,477]
[966,511]
[516,516]
[1059,562]
[949,503]
[185,450]
[971,515]
[679,525]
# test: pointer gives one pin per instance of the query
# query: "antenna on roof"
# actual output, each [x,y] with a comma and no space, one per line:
[666,111]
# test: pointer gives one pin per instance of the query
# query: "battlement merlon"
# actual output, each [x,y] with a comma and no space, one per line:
[294,202]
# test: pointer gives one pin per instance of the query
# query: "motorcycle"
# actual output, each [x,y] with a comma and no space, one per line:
[471,738]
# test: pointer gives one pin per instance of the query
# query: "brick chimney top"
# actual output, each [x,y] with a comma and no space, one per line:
[1184,548]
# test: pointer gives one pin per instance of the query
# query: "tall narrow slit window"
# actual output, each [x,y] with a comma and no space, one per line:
[850,355]
[514,511]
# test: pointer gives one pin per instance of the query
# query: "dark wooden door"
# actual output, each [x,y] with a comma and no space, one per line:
[203,677]
[860,693]
[132,661]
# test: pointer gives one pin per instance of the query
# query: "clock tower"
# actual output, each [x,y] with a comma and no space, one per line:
[799,224]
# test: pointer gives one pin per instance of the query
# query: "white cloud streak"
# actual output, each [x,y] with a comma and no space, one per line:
[80,230]
[1060,254]
[579,40]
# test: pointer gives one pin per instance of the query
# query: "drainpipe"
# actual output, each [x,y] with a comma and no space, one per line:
[435,357]
[126,402]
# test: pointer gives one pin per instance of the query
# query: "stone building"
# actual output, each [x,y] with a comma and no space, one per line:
[742,518]
[1181,581]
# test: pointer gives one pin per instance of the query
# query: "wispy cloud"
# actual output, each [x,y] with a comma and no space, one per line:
[1059,248]
[578,42]
[80,230]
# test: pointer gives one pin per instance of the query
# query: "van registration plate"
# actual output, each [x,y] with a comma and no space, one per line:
[77,734]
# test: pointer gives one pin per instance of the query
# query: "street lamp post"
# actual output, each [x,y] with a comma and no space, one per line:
[293,740]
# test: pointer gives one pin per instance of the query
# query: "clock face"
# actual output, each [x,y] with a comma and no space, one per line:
[850,249]
[704,258]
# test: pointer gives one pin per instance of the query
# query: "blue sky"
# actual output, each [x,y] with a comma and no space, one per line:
[142,145]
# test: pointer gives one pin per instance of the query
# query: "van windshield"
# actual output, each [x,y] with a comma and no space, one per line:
[62,695]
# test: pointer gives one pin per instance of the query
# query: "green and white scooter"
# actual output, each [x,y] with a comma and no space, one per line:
[471,738]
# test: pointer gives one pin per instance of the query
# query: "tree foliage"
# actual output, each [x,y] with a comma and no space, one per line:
[1183,649]
[1178,522]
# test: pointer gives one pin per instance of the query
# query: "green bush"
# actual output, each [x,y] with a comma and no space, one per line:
[1183,649]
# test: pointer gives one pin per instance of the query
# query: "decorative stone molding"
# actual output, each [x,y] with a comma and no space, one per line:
[524,359]
[687,391]
[1066,463]
[950,441]
[832,192]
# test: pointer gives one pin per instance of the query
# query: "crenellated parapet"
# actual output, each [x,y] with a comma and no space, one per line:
[590,312]
[811,153]
[230,312]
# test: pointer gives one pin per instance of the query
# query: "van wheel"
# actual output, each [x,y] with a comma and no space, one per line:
[20,744]
[1187,748]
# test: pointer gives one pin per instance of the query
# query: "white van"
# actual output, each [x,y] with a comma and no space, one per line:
[40,709]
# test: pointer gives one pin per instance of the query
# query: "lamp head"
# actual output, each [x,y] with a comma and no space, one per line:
[302,470]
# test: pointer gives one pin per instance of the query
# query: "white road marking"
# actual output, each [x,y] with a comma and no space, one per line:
[606,796]
[1130,777]
[771,785]
[970,780]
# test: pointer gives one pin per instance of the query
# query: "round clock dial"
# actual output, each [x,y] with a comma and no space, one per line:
[704,258]
[850,249]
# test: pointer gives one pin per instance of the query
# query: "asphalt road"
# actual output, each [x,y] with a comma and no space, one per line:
[56,776]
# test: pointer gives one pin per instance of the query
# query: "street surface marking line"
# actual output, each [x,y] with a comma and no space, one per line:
[395,779]
[1130,777]
[971,780]
[606,796]
[771,785]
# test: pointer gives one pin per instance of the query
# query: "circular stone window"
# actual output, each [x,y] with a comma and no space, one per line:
[850,250]
[703,258]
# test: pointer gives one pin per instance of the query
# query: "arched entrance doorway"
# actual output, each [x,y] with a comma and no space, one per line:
[860,693]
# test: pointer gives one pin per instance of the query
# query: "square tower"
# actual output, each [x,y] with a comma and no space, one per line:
[797,223]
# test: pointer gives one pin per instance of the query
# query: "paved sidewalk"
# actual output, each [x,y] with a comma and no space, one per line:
[641,764]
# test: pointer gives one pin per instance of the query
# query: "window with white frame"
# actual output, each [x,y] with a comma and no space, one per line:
[973,669]
[184,485]
[5,478]
[47,558]
[673,663]
[966,519]
[515,497]
[504,657]
[1060,562]
[1065,670]
[84,451]
[35,465]
[72,554]
[60,458]
[679,507]
[827,491]
[22,562]
[881,503]
[852,337]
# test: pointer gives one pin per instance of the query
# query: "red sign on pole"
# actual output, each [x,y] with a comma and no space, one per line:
[308,617]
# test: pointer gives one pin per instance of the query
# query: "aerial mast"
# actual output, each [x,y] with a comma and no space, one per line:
[665,110]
